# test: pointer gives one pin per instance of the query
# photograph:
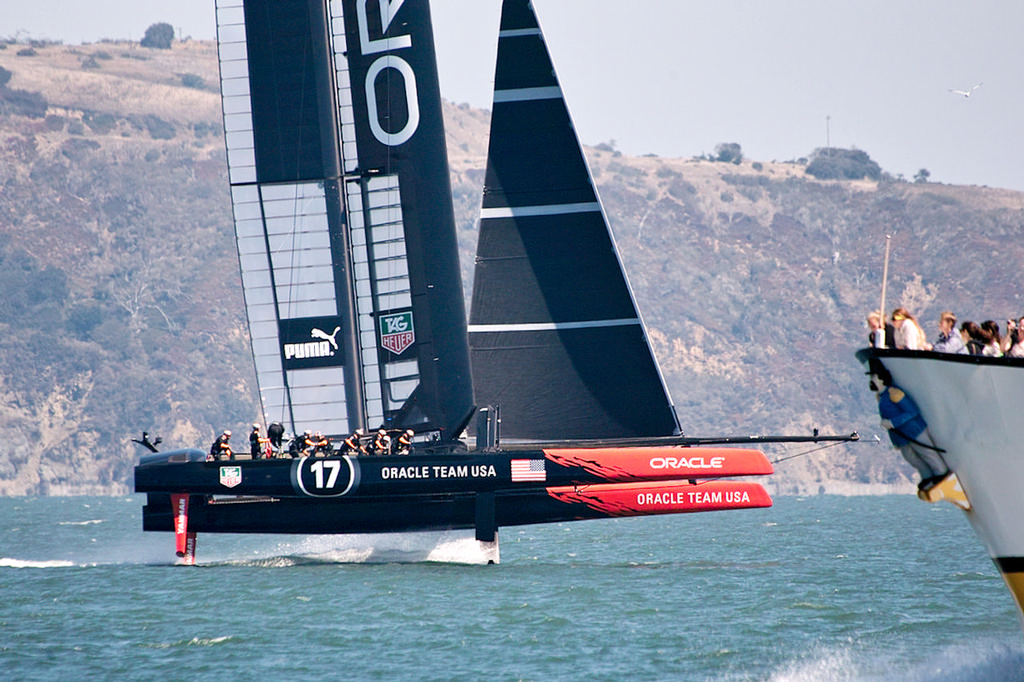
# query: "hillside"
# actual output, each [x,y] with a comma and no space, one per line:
[122,309]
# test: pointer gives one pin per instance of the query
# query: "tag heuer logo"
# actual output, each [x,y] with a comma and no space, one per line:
[230,476]
[396,332]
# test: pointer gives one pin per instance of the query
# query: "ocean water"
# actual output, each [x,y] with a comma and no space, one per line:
[818,588]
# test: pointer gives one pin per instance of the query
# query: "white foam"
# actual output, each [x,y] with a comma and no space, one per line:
[6,562]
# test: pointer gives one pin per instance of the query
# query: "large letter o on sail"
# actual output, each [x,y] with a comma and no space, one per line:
[412,103]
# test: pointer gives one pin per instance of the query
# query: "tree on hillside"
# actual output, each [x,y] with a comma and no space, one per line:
[922,175]
[842,164]
[158,36]
[729,152]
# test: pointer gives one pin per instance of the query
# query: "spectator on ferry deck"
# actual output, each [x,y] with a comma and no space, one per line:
[875,337]
[971,335]
[949,341]
[1013,342]
[993,341]
[908,334]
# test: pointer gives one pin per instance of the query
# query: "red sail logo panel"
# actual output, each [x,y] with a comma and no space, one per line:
[654,463]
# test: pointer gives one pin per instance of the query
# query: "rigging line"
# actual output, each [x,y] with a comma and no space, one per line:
[808,452]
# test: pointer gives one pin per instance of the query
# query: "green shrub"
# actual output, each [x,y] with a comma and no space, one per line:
[191,80]
[842,164]
[158,36]
[729,152]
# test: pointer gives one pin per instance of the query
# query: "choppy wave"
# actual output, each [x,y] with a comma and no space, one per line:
[194,642]
[815,589]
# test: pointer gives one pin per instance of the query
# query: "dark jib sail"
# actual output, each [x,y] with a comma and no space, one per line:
[556,340]
[337,158]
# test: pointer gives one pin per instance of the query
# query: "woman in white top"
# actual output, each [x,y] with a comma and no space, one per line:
[909,335]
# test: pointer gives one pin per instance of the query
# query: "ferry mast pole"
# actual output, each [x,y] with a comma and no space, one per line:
[885,278]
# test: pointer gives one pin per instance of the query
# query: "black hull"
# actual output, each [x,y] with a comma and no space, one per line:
[420,492]
[359,516]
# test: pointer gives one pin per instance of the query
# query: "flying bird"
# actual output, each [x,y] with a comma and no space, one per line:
[966,93]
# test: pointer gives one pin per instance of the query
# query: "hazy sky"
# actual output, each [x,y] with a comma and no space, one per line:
[677,77]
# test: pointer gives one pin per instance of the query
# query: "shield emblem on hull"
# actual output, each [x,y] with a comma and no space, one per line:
[230,476]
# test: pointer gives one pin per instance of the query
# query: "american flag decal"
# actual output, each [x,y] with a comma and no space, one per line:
[528,470]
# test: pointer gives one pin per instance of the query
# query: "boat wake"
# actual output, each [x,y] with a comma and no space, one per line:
[90,522]
[8,562]
[448,547]
[967,662]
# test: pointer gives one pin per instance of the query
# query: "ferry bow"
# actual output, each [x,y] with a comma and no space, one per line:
[970,404]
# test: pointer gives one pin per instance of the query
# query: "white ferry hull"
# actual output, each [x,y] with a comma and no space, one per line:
[972,406]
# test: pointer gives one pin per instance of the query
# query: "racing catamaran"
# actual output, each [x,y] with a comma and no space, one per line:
[347,245]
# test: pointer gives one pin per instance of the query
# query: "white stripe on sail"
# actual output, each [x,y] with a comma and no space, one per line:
[518,32]
[528,211]
[552,326]
[527,94]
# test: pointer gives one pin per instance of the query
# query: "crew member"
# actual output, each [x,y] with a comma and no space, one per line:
[257,443]
[321,445]
[404,443]
[307,444]
[382,443]
[275,432]
[353,444]
[221,448]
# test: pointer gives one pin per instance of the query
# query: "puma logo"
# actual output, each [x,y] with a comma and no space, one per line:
[320,334]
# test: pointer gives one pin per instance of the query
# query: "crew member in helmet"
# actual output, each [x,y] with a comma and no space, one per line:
[353,443]
[275,432]
[382,443]
[321,445]
[221,447]
[257,443]
[404,443]
[308,443]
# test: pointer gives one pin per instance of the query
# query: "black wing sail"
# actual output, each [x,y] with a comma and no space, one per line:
[343,214]
[557,342]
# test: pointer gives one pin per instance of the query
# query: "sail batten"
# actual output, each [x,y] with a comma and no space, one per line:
[544,210]
[527,94]
[552,326]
